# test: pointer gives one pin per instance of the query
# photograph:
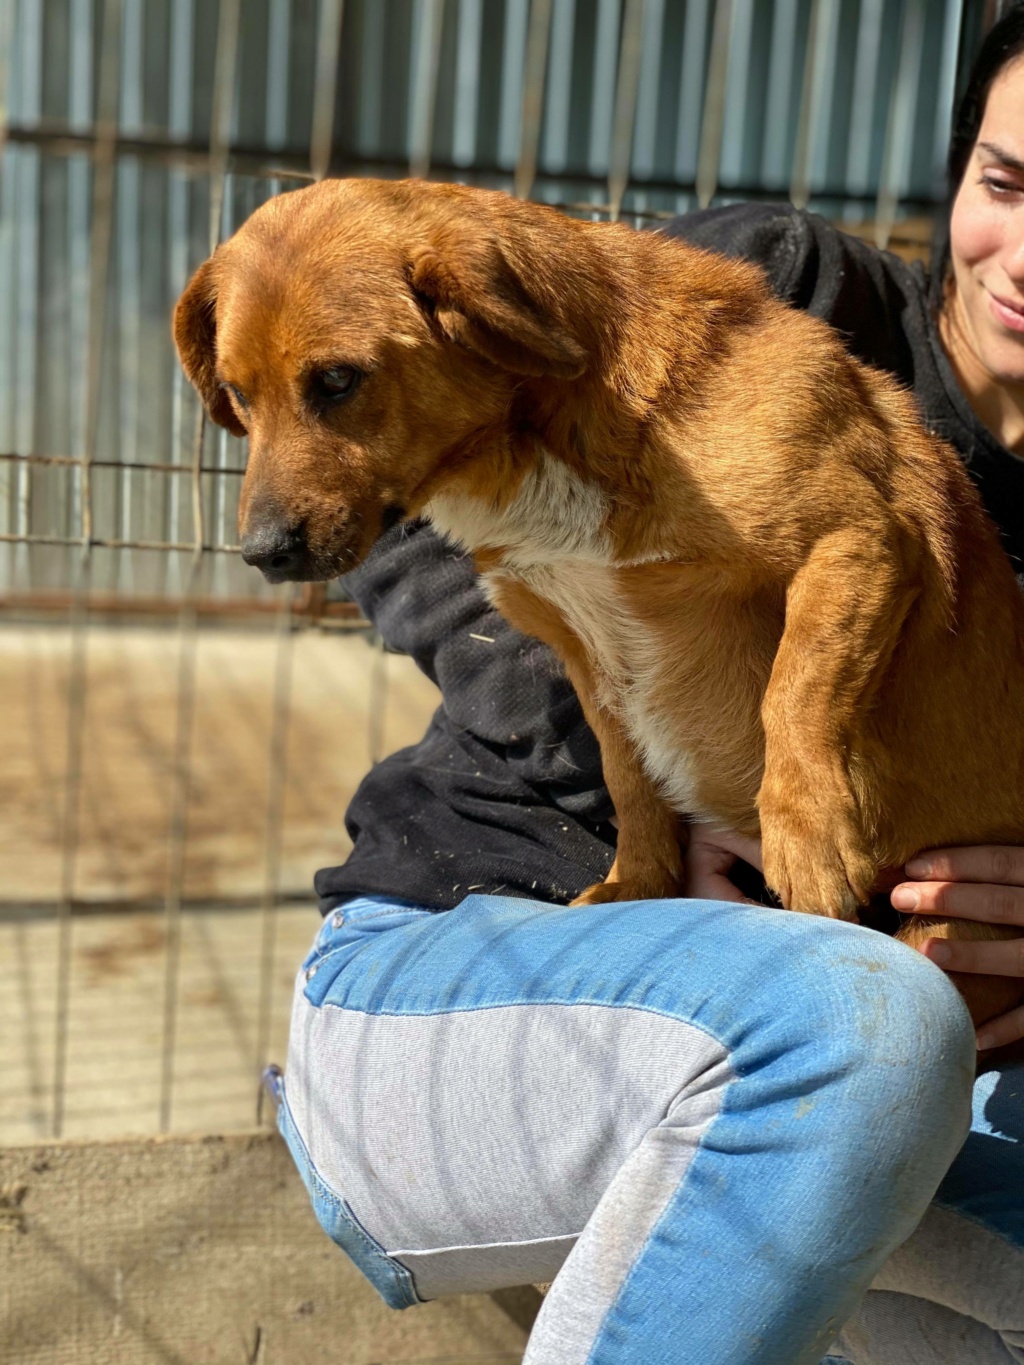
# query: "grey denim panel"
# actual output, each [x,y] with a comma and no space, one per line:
[475,1146]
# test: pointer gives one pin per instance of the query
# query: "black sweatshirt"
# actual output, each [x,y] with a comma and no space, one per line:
[504,793]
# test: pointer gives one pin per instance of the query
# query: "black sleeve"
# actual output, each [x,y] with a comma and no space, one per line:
[863,292]
[505,689]
[504,793]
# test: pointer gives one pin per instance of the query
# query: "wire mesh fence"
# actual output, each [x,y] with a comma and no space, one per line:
[135,135]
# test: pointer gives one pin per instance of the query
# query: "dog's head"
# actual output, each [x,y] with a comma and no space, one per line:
[369,336]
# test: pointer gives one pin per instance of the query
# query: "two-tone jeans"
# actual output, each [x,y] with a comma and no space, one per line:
[712,1125]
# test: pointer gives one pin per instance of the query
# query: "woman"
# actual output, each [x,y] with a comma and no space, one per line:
[719,1125]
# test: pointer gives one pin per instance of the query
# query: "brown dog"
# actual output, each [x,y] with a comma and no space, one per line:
[779,600]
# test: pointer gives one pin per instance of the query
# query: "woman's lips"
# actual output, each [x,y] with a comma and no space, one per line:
[1009,314]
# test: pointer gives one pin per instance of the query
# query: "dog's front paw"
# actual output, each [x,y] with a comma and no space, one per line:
[604,893]
[820,868]
[650,885]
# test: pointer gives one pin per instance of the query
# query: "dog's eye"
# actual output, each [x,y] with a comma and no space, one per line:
[238,396]
[331,386]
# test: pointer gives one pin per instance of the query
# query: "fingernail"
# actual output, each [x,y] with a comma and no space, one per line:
[985,1041]
[939,953]
[905,898]
[919,867]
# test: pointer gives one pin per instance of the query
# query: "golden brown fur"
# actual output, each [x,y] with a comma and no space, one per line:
[801,591]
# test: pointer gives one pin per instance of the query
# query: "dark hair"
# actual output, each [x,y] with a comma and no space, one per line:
[1003,44]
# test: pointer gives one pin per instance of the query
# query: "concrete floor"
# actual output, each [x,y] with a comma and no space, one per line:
[346,698]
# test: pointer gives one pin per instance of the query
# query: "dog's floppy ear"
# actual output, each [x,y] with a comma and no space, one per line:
[195,335]
[479,300]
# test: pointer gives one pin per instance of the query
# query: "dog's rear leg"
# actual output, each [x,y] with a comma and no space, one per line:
[845,609]
[649,861]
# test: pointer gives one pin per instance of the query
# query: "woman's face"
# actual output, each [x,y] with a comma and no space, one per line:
[987,234]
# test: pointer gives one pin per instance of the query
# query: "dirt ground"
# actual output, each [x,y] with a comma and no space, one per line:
[116,1020]
[347,699]
[341,688]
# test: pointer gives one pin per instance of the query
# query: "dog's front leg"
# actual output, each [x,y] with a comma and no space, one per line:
[649,860]
[648,857]
[845,608]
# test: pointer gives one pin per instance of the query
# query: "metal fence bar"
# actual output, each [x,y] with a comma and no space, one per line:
[179,124]
[691,90]
[737,93]
[8,172]
[109,543]
[176,844]
[80,118]
[946,93]
[558,93]
[800,180]
[538,40]
[328,49]
[426,69]
[143,466]
[27,202]
[626,94]
[775,154]
[713,122]
[606,58]
[900,127]
[648,99]
[276,788]
[99,267]
[513,67]
[865,86]
[129,282]
[467,82]
[225,73]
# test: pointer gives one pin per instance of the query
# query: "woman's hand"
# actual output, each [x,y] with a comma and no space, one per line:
[986,884]
[711,854]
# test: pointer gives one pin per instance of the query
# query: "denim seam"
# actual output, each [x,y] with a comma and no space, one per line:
[402,1274]
[527,1004]
[654,1227]
[380,914]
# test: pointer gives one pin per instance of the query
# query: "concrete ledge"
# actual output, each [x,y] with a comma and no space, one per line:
[188,1251]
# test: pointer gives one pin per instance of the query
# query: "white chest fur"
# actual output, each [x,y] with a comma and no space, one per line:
[554,537]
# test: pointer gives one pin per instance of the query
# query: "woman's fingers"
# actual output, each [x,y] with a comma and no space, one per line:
[709,858]
[739,845]
[1002,958]
[1008,1028]
[998,863]
[990,902]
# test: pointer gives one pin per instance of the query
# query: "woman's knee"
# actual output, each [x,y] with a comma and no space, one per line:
[889,1029]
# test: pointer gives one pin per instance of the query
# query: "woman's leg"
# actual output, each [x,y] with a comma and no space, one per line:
[713,1122]
[954,1292]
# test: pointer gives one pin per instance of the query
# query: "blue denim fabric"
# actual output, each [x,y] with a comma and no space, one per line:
[986,1181]
[854,1057]
[392,1281]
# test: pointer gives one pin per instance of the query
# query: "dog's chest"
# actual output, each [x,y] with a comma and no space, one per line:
[553,539]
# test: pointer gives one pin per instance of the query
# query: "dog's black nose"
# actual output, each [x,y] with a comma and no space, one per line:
[277,550]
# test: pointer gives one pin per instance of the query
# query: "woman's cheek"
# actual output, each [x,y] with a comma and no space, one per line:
[977,228]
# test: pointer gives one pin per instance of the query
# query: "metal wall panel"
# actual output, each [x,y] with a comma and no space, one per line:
[842,103]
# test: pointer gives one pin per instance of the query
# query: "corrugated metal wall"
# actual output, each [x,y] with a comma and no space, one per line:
[654,104]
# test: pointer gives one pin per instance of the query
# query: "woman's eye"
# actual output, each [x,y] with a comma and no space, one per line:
[330,386]
[1000,188]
